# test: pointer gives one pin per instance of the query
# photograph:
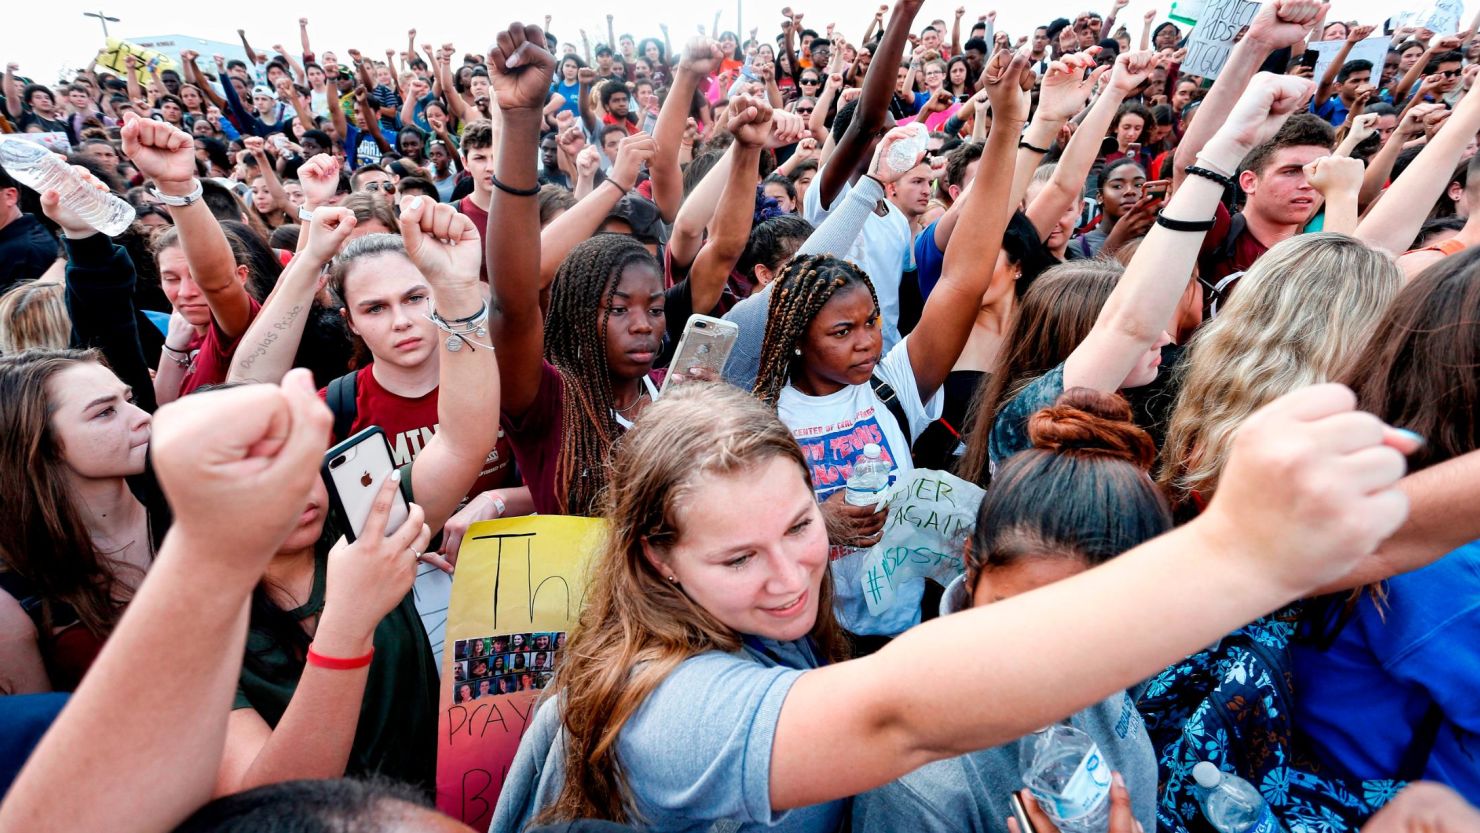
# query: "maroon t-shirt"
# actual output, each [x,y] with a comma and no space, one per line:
[410,423]
[480,220]
[210,354]
[1216,261]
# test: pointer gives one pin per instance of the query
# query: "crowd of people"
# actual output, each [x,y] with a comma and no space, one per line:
[1211,345]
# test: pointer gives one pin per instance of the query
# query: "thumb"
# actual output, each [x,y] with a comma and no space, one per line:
[50,200]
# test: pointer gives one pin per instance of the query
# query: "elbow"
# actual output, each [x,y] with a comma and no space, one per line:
[1133,327]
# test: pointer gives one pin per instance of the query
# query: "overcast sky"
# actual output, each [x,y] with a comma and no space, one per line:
[47,37]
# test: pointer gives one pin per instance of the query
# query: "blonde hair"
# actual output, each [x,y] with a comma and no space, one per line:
[636,626]
[1304,308]
[34,315]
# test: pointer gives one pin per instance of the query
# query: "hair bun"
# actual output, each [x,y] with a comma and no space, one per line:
[1085,422]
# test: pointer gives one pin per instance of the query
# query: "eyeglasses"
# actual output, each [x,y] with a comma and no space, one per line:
[387,187]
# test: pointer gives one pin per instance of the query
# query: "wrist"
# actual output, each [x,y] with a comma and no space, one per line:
[1223,158]
[339,639]
[176,187]
[79,233]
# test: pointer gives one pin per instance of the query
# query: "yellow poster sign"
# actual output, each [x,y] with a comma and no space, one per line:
[114,59]
[516,595]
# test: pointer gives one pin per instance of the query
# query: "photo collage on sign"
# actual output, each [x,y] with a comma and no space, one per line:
[492,665]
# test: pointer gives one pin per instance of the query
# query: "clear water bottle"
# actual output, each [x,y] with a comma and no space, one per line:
[869,478]
[1231,804]
[41,170]
[905,153]
[1065,771]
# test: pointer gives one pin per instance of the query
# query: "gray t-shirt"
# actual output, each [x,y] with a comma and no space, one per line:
[697,752]
[969,794]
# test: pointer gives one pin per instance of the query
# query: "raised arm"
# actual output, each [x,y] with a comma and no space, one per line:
[817,122]
[258,148]
[1415,72]
[699,60]
[166,155]
[1079,155]
[956,31]
[298,71]
[303,37]
[266,352]
[156,700]
[868,119]
[248,122]
[587,78]
[1380,166]
[1392,223]
[100,296]
[1108,28]
[585,217]
[1193,585]
[1279,24]
[371,116]
[1063,90]
[1149,19]
[1135,316]
[749,121]
[1328,78]
[252,56]
[1338,179]
[13,102]
[970,259]
[520,70]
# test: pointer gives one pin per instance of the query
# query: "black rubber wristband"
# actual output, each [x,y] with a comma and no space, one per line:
[1206,173]
[1024,145]
[1183,225]
[518,192]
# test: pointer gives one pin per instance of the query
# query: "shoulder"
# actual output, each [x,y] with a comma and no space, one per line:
[709,694]
[15,622]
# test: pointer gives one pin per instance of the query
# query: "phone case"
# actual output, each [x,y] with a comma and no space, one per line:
[354,471]
[706,343]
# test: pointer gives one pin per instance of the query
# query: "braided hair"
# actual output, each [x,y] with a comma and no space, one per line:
[804,286]
[575,344]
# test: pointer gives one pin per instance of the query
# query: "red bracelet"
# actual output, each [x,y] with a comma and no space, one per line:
[336,663]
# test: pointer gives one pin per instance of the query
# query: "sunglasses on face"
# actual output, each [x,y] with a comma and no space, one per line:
[1449,73]
[387,187]
[810,82]
[804,111]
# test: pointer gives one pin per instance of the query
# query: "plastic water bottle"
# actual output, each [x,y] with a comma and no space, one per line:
[1064,769]
[41,170]
[869,478]
[905,153]
[1231,804]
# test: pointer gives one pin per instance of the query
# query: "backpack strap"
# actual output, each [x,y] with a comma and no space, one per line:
[1416,759]
[885,392]
[341,401]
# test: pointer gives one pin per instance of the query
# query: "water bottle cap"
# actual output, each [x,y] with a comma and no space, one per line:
[1207,774]
[873,451]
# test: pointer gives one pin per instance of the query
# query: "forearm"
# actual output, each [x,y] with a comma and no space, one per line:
[517,282]
[1074,163]
[667,177]
[314,737]
[1392,223]
[1441,518]
[730,227]
[1328,78]
[574,226]
[1341,211]
[1243,63]
[468,392]
[265,352]
[817,122]
[167,379]
[247,47]
[836,234]
[153,706]
[1379,167]
[1410,78]
[303,39]
[100,303]
[698,210]
[1041,133]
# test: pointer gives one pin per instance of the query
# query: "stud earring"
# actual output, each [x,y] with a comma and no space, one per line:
[673,579]
[798,351]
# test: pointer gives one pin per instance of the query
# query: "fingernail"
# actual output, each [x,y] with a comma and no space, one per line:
[396,476]
[1119,781]
[1413,436]
[415,203]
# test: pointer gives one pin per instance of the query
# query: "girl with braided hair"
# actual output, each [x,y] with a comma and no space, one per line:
[821,365]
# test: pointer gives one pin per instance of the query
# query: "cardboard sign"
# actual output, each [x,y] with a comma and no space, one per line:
[1438,16]
[517,592]
[930,515]
[1213,37]
[113,59]
[1373,49]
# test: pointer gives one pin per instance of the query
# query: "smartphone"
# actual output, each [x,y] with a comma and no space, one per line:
[1310,58]
[354,471]
[1157,188]
[706,343]
[1021,814]
[1133,150]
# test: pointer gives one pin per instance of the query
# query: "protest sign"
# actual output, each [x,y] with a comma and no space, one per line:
[1213,37]
[930,515]
[1373,49]
[1187,12]
[114,55]
[1438,16]
[516,594]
